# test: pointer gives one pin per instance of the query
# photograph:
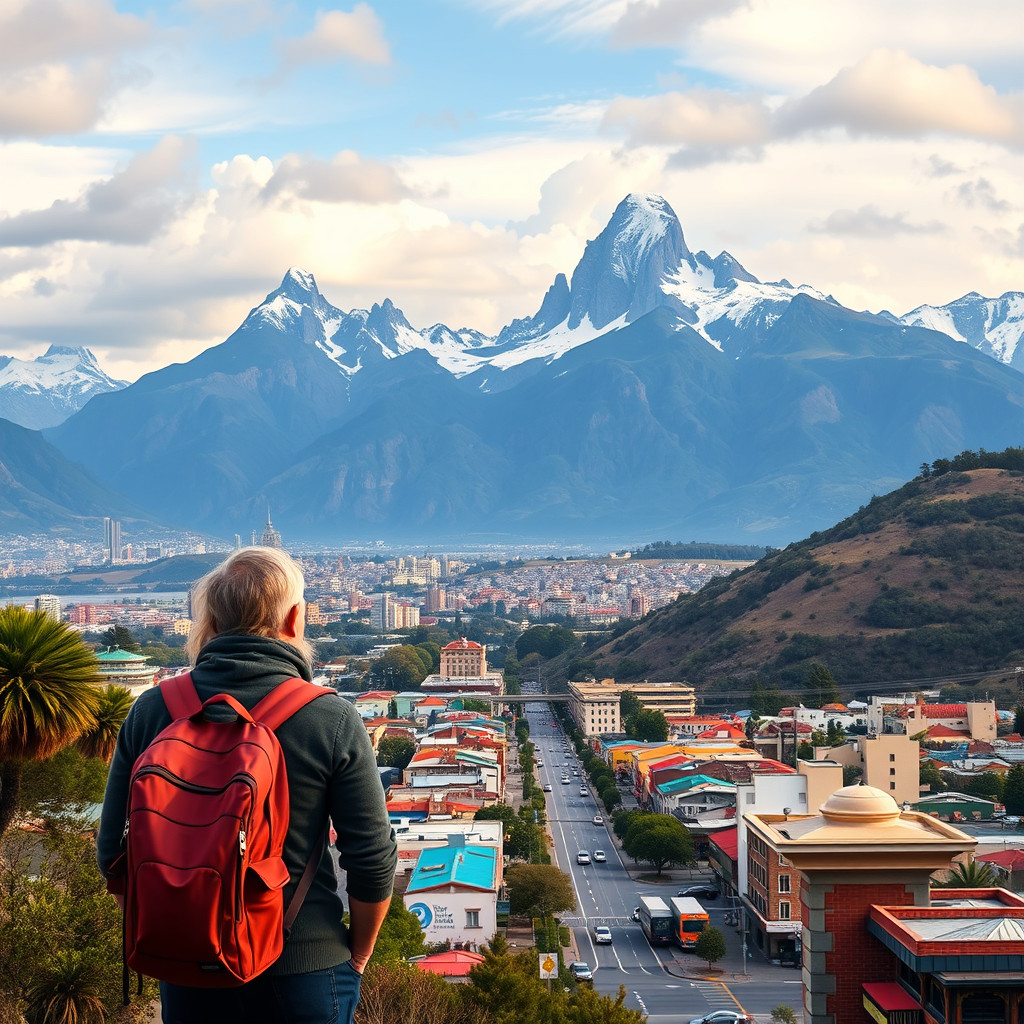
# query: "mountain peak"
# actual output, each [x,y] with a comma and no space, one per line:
[299,285]
[622,270]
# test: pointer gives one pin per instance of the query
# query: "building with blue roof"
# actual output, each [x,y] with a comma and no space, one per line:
[454,893]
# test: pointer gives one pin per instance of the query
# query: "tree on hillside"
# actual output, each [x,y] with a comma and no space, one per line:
[710,945]
[930,776]
[395,752]
[48,695]
[1018,719]
[119,636]
[547,641]
[835,735]
[821,686]
[1013,790]
[659,840]
[538,890]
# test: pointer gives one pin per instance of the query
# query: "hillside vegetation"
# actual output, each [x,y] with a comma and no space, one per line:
[923,583]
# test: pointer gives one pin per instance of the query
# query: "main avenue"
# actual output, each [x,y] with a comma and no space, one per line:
[666,983]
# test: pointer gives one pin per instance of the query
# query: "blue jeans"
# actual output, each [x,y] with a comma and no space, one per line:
[319,997]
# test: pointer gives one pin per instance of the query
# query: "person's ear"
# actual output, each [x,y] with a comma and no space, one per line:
[292,622]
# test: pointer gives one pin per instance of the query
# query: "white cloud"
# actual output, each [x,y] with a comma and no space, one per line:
[709,117]
[346,177]
[356,35]
[59,64]
[870,222]
[663,22]
[892,93]
[130,207]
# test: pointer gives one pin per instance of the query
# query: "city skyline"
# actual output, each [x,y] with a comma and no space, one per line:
[165,163]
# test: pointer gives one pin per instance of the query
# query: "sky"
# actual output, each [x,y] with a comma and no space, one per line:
[163,164]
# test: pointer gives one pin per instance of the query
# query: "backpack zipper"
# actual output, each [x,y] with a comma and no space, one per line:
[238,875]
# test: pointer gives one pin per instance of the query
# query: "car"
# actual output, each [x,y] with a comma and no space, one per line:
[540,764]
[603,936]
[583,857]
[598,820]
[581,971]
[721,1017]
[635,916]
[575,772]
[599,857]
[583,791]
[565,780]
[547,787]
[702,891]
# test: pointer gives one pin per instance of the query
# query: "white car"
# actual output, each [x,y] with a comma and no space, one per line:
[583,857]
[603,936]
[598,820]
[599,857]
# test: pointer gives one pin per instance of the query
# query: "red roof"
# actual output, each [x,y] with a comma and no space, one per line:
[377,695]
[889,996]
[454,963]
[432,702]
[944,710]
[727,841]
[462,644]
[943,732]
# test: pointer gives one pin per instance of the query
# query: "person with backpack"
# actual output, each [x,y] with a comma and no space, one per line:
[213,834]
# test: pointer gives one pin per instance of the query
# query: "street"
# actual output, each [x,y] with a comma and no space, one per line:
[655,979]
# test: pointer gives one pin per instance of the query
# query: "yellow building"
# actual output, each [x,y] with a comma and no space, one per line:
[595,706]
[891,762]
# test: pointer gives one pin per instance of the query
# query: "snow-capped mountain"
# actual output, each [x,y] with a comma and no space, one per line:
[994,326]
[45,391]
[655,392]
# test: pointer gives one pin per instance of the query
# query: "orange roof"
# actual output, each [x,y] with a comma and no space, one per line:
[944,710]
[942,732]
[462,644]
[377,695]
[432,702]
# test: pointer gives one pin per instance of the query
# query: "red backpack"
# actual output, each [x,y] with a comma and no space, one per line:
[201,873]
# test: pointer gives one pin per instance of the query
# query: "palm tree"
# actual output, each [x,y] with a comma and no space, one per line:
[101,737]
[69,994]
[48,694]
[974,875]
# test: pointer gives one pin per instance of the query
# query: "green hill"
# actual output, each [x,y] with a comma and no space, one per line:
[924,583]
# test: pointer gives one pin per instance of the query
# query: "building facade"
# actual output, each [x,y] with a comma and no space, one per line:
[463,659]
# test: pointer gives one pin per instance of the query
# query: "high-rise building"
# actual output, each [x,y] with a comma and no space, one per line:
[50,604]
[112,539]
[435,600]
[271,537]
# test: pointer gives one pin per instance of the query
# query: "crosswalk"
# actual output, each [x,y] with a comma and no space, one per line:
[717,995]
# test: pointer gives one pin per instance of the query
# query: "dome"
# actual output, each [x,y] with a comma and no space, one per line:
[860,805]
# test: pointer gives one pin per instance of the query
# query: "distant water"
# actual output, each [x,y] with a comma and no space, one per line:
[162,597]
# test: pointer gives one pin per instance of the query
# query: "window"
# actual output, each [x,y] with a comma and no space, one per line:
[472,918]
[892,771]
[892,757]
[892,785]
[783,883]
[784,910]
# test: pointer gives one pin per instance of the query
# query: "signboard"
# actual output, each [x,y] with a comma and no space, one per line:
[503,908]
[548,966]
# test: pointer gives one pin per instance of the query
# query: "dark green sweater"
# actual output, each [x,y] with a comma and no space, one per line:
[331,771]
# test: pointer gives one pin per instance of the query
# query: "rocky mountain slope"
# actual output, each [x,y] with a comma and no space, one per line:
[657,392]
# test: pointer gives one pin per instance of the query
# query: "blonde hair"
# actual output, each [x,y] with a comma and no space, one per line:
[250,592]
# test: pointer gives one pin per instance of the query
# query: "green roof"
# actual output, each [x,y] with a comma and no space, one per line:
[112,655]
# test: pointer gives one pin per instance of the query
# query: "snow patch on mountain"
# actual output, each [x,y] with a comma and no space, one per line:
[45,391]
[995,326]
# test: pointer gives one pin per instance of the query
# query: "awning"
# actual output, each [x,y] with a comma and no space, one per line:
[890,1003]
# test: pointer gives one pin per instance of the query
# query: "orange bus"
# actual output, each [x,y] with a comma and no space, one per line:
[689,919]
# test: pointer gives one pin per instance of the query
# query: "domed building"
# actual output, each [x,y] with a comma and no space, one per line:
[878,943]
[126,669]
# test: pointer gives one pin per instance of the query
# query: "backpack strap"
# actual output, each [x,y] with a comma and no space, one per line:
[285,699]
[180,696]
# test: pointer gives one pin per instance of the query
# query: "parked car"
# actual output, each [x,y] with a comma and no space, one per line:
[598,820]
[581,971]
[583,857]
[583,791]
[603,936]
[702,890]
[722,1017]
